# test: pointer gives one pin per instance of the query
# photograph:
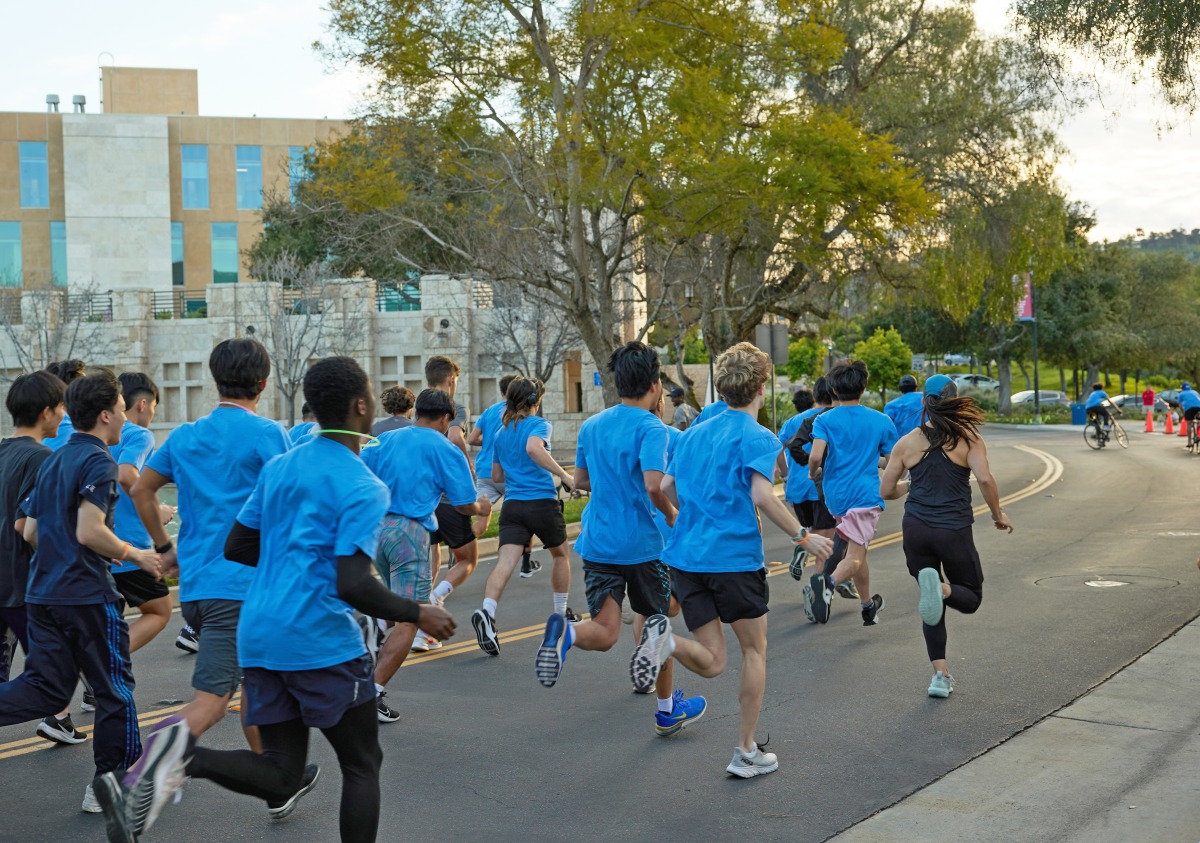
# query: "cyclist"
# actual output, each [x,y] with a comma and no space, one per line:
[1097,407]
[1188,402]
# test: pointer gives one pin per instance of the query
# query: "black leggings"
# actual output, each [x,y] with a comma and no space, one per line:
[952,554]
[276,774]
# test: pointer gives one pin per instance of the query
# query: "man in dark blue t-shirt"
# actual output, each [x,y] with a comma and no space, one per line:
[72,608]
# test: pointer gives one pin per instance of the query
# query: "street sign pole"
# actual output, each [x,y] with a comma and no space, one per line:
[1037,396]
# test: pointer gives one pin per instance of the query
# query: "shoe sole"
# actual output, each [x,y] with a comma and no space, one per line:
[285,810]
[548,664]
[938,693]
[807,594]
[187,647]
[751,772]
[874,621]
[799,560]
[822,597]
[87,708]
[386,718]
[107,791]
[930,605]
[848,591]
[487,643]
[163,753]
[646,660]
[60,737]
[671,730]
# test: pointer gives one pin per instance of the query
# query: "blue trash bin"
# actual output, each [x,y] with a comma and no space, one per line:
[1078,414]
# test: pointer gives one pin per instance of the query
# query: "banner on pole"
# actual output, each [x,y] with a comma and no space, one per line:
[1025,305]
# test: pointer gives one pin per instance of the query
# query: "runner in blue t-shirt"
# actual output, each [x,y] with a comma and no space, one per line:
[905,411]
[721,471]
[66,371]
[849,444]
[522,461]
[305,426]
[214,463]
[620,459]
[308,533]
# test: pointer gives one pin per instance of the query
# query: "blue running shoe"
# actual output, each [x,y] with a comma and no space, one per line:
[930,605]
[682,712]
[552,655]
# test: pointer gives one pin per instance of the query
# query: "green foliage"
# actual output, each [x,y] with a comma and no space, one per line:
[1159,382]
[805,356]
[887,358]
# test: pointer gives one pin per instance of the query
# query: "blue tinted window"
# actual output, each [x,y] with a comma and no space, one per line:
[195,175]
[177,254]
[249,178]
[10,254]
[224,252]
[58,253]
[35,175]
[297,171]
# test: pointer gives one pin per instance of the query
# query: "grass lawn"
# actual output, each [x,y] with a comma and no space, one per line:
[572,512]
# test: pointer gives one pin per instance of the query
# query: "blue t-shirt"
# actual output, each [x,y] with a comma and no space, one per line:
[311,505]
[1188,399]
[64,572]
[616,446]
[855,438]
[215,462]
[660,520]
[298,432]
[713,466]
[419,465]
[712,410]
[1099,396]
[65,429]
[135,448]
[524,480]
[489,425]
[798,488]
[905,412]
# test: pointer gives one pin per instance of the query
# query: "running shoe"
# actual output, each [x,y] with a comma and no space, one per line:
[111,798]
[373,636]
[423,643]
[187,640]
[941,686]
[280,810]
[930,606]
[60,731]
[552,655]
[683,712]
[571,617]
[157,774]
[485,632]
[529,565]
[870,612]
[807,594]
[847,590]
[822,596]
[383,711]
[90,804]
[757,763]
[799,560]
[88,703]
[650,653]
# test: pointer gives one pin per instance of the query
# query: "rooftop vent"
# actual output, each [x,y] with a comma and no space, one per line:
[52,103]
[80,103]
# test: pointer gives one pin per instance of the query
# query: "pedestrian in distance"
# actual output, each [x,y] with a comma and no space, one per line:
[305,426]
[684,414]
[939,547]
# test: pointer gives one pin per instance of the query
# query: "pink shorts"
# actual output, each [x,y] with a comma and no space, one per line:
[858,525]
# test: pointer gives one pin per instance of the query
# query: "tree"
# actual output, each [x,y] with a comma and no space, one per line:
[55,323]
[520,331]
[887,358]
[804,358]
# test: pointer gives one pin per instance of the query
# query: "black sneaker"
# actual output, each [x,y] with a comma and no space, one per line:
[822,596]
[870,614]
[111,796]
[571,616]
[279,810]
[386,713]
[187,640]
[60,731]
[529,565]
[485,632]
[799,560]
[88,704]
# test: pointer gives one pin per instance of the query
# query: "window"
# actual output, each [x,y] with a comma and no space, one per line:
[195,176]
[297,170]
[58,253]
[177,254]
[249,178]
[225,252]
[10,254]
[35,175]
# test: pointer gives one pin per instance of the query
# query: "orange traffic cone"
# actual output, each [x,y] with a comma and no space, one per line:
[1149,421]
[1170,427]
[1182,427]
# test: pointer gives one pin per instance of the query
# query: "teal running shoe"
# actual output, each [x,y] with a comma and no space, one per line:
[682,712]
[930,606]
[942,685]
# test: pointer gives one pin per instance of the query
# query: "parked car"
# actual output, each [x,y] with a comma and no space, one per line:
[957,359]
[1134,403]
[1046,397]
[1167,395]
[975,381]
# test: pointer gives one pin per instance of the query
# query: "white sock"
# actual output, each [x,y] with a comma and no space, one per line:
[570,634]
[442,590]
[560,603]
[666,706]
[379,689]
[670,648]
[489,606]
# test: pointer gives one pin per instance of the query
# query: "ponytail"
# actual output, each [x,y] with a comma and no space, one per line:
[523,397]
[946,420]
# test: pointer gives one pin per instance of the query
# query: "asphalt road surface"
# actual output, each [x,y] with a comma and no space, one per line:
[485,753]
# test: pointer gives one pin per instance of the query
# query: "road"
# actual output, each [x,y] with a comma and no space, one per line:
[484,752]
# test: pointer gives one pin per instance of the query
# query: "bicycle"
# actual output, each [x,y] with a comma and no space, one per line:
[1193,436]
[1097,437]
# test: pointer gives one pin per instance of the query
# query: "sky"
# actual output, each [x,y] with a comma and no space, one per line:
[255,57]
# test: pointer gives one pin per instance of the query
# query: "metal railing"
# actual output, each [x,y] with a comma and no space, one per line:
[397,296]
[179,304]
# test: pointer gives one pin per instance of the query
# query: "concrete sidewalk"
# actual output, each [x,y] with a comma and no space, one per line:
[1120,764]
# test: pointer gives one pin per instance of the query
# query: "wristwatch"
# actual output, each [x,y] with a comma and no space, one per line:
[164,548]
[800,537]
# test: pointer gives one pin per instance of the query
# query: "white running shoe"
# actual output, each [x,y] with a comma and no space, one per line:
[424,643]
[90,804]
[758,763]
[942,685]
[650,653]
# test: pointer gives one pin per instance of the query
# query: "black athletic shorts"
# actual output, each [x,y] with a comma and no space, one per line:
[814,515]
[649,585]
[1191,413]
[730,596]
[454,528]
[138,587]
[521,520]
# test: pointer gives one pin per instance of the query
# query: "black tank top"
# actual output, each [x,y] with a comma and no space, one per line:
[939,492]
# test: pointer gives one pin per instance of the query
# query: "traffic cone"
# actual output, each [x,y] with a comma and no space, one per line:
[1182,427]
[1170,427]
[1149,421]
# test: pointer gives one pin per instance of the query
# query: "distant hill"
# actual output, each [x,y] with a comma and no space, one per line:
[1179,240]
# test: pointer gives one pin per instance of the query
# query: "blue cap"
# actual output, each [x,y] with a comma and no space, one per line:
[942,386]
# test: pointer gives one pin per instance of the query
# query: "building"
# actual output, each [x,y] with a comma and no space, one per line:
[145,194]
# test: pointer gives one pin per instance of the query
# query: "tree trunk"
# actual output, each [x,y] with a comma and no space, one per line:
[1062,380]
[1093,375]
[1004,375]
[1123,375]
[1024,374]
[600,346]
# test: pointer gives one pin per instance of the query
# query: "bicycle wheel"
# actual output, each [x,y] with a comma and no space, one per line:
[1119,432]
[1092,435]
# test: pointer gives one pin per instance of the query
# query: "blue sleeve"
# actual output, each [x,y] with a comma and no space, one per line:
[251,513]
[271,443]
[819,430]
[890,438]
[161,462]
[98,480]
[653,452]
[136,449]
[580,449]
[759,454]
[459,485]
[540,428]
[360,518]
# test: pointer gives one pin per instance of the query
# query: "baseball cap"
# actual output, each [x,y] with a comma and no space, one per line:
[1186,385]
[675,392]
[908,380]
[941,385]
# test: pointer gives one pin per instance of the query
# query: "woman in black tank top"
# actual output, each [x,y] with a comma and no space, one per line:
[938,544]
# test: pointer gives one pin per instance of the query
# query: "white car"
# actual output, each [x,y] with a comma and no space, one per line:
[1046,397]
[975,381]
[957,359]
